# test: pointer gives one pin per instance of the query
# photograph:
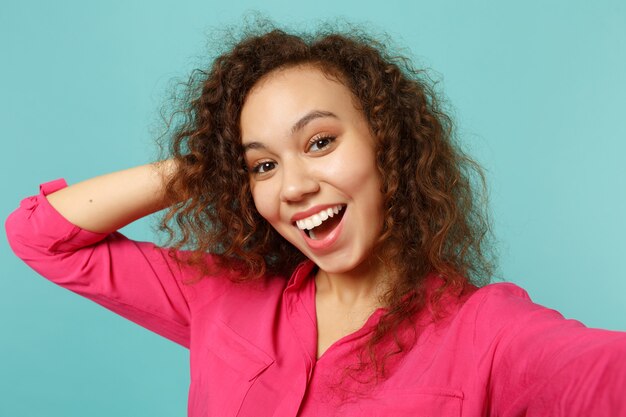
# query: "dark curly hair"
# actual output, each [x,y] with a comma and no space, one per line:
[435,218]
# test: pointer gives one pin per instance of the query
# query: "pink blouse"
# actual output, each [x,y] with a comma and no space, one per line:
[253,345]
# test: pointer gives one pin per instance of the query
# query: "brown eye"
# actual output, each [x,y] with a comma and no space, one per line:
[263,167]
[319,144]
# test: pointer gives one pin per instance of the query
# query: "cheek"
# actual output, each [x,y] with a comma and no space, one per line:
[357,173]
[362,180]
[265,202]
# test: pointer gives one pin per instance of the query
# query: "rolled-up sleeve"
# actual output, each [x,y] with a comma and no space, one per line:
[136,280]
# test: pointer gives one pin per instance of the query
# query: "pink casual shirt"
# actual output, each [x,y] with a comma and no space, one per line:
[253,345]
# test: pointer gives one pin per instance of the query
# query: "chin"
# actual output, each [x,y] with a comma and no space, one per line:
[339,264]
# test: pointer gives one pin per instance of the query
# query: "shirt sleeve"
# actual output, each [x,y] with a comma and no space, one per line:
[544,365]
[136,280]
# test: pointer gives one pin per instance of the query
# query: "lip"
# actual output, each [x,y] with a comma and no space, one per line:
[329,240]
[313,210]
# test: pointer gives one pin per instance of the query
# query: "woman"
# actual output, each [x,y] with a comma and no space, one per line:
[346,251]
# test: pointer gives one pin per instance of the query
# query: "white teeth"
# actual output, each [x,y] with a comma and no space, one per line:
[317,219]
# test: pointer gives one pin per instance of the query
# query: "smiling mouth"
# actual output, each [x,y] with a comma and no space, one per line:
[319,226]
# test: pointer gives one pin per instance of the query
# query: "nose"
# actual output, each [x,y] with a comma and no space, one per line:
[297,181]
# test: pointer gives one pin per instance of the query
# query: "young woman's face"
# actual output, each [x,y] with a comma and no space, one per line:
[313,176]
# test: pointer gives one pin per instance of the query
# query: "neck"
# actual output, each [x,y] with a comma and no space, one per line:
[362,286]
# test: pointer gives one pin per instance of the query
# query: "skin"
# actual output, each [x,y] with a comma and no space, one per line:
[109,202]
[308,145]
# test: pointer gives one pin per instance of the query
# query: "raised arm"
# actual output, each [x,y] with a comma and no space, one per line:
[67,234]
[108,202]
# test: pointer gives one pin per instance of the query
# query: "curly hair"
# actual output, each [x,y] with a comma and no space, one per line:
[433,194]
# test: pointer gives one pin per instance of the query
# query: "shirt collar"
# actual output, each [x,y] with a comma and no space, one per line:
[300,276]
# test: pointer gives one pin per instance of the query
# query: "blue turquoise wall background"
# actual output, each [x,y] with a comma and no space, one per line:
[537,89]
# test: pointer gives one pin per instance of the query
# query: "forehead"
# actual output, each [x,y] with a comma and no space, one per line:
[280,98]
[297,74]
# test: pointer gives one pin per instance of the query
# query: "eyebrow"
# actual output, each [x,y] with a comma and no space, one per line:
[297,126]
[309,117]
